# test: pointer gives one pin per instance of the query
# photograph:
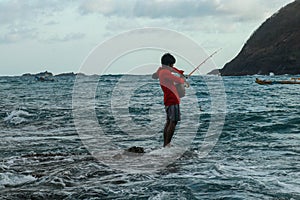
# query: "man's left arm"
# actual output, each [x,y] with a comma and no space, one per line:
[174,78]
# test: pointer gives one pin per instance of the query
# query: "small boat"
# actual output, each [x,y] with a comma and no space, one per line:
[269,82]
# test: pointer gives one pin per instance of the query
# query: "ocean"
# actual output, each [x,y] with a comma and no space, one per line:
[66,139]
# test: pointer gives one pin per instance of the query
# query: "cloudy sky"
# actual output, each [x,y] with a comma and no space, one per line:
[57,36]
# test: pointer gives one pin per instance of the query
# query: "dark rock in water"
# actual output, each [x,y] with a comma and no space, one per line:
[44,78]
[27,74]
[135,149]
[273,47]
[38,175]
[66,74]
[70,74]
[215,72]
[46,73]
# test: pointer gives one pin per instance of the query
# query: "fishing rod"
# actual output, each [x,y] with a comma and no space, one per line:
[203,62]
[181,87]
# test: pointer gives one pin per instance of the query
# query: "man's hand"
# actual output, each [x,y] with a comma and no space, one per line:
[186,84]
[155,75]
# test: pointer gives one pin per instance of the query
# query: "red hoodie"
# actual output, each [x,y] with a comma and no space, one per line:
[167,80]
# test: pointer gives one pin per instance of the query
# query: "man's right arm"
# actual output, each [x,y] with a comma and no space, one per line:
[155,75]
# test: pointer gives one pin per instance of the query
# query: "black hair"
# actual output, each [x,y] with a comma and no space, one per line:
[168,59]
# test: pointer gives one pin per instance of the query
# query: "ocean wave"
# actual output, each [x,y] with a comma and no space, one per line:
[17,117]
[42,156]
[14,179]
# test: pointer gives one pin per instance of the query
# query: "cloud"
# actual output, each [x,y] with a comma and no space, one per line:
[205,16]
[51,23]
[107,7]
[178,9]
[12,11]
[243,10]
[66,38]
[17,33]
[22,20]
[150,9]
[175,9]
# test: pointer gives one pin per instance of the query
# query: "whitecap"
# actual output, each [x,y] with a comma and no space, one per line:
[168,151]
[11,179]
[17,117]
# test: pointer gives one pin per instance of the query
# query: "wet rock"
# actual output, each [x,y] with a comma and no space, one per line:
[135,149]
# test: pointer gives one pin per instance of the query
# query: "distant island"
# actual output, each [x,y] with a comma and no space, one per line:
[72,74]
[50,74]
[46,73]
[273,48]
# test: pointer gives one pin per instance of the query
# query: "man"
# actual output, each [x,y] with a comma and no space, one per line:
[171,98]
